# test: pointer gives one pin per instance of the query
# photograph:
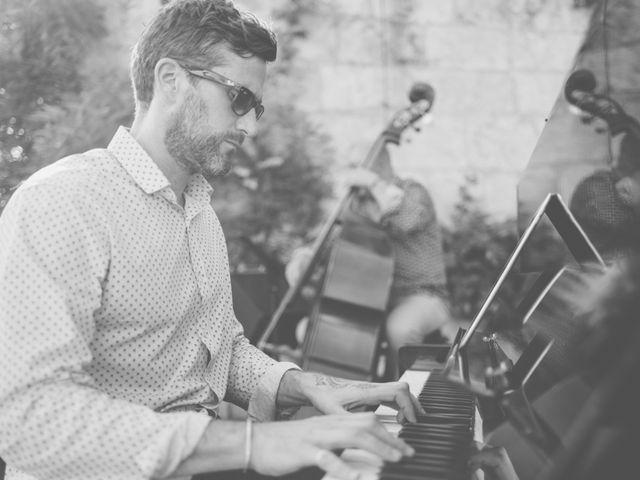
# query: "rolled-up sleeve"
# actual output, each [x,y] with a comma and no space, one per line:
[54,421]
[254,378]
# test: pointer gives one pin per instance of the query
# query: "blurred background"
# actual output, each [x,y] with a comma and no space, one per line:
[344,69]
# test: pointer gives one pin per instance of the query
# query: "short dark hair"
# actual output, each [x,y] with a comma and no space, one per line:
[193,30]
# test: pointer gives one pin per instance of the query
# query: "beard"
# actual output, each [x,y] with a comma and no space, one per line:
[195,151]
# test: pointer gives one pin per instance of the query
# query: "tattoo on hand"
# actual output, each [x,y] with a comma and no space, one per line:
[324,381]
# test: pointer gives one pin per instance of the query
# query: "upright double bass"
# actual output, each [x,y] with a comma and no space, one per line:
[346,321]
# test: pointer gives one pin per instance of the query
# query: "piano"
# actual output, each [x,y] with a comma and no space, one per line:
[442,438]
[492,376]
[564,403]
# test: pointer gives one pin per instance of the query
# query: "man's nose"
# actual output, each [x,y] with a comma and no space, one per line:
[248,123]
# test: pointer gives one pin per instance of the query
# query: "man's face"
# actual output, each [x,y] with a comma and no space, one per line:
[204,132]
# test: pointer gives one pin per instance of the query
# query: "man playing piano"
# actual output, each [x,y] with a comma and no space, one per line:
[119,339]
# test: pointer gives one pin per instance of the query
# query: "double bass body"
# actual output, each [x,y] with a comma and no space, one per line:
[347,318]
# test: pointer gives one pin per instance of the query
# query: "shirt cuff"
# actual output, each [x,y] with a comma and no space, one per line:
[173,445]
[262,405]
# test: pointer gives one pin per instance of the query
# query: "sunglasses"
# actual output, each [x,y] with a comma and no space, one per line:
[242,99]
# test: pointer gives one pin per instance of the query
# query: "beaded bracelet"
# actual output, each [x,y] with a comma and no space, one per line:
[247,444]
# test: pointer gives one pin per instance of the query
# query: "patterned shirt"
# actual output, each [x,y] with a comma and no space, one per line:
[116,318]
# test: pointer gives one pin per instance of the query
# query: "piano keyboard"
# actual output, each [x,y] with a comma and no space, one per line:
[441,439]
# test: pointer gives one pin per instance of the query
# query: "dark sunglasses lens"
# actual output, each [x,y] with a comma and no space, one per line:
[243,102]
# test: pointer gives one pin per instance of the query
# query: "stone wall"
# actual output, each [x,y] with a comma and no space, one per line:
[497,67]
[572,146]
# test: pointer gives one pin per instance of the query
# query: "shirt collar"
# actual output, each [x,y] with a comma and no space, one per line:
[199,189]
[137,162]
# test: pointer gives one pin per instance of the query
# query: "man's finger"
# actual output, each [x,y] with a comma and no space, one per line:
[331,463]
[477,446]
[490,457]
[482,460]
[418,408]
[396,443]
[405,403]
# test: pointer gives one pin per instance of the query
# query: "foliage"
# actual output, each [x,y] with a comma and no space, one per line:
[87,119]
[274,197]
[51,108]
[290,25]
[477,249]
[43,47]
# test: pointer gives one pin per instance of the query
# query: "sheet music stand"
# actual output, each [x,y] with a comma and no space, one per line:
[505,382]
[571,233]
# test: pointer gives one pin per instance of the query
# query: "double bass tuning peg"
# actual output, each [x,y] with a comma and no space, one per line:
[418,125]
[425,120]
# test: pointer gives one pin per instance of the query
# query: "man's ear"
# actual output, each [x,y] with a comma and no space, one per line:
[167,74]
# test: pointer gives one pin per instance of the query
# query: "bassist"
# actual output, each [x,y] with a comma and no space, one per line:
[418,306]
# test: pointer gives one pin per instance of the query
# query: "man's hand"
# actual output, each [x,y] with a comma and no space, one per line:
[493,461]
[332,395]
[386,194]
[360,178]
[283,447]
[277,448]
[298,263]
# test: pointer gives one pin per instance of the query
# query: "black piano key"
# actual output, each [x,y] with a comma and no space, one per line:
[444,472]
[436,433]
[433,419]
[427,444]
[439,436]
[426,427]
[433,448]
[421,476]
